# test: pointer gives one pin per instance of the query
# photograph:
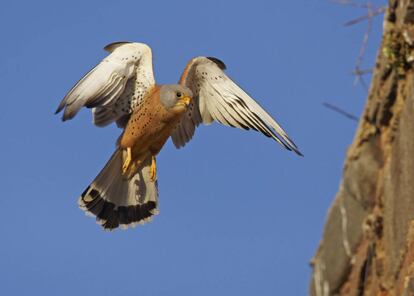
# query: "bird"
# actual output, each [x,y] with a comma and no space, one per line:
[121,89]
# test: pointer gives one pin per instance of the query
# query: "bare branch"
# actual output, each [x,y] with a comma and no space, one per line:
[340,111]
[353,3]
[359,76]
[368,16]
[362,71]
[372,11]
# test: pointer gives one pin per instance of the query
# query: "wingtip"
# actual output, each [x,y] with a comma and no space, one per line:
[298,153]
[218,62]
[60,107]
[294,148]
[114,45]
[67,115]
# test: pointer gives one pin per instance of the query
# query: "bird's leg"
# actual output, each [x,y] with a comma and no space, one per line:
[153,169]
[127,161]
[134,167]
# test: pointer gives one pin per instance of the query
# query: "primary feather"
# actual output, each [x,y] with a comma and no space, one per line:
[115,87]
[218,98]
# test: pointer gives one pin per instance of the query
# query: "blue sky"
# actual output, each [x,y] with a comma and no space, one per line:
[238,214]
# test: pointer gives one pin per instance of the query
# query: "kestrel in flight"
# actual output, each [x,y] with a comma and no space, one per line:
[122,89]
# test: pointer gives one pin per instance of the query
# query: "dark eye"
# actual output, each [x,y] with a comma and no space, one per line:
[179,95]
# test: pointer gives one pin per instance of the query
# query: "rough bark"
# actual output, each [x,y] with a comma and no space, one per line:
[368,242]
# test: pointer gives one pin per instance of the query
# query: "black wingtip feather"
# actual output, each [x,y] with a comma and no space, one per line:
[299,153]
[112,46]
[60,107]
[218,62]
[294,148]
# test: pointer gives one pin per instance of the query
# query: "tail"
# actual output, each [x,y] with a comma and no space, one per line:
[118,201]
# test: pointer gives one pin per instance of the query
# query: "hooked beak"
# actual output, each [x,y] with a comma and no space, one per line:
[184,101]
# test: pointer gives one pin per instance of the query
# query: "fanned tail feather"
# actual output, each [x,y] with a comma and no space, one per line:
[118,201]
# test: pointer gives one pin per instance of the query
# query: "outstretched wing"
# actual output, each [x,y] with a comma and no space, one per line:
[115,86]
[217,97]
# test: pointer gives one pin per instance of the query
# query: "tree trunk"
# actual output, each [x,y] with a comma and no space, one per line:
[368,242]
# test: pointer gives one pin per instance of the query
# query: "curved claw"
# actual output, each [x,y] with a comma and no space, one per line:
[153,169]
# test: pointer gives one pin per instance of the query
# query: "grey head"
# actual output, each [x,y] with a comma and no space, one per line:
[175,95]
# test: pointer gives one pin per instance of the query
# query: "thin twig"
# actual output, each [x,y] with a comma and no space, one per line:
[372,11]
[362,71]
[340,111]
[377,11]
[363,48]
[351,3]
[359,73]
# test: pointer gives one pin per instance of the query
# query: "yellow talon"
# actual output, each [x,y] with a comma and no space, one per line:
[153,169]
[127,161]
